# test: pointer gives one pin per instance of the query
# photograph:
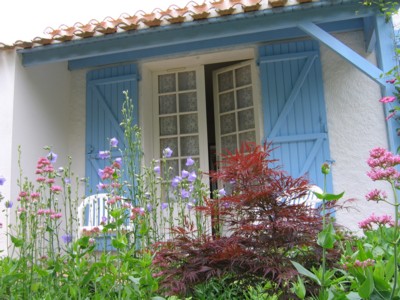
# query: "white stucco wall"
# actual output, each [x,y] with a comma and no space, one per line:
[7,75]
[40,117]
[356,124]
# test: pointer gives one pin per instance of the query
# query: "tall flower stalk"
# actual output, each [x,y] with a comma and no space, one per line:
[383,166]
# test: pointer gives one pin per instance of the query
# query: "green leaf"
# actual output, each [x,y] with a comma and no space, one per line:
[328,197]
[119,243]
[367,287]
[305,272]
[16,241]
[327,238]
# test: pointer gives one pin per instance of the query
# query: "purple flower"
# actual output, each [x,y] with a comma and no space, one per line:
[167,152]
[104,154]
[189,162]
[114,142]
[100,172]
[2,180]
[67,180]
[101,186]
[157,170]
[149,207]
[176,181]
[8,204]
[185,173]
[190,206]
[185,193]
[52,157]
[67,238]
[222,192]
[164,205]
[118,160]
[192,176]
[103,220]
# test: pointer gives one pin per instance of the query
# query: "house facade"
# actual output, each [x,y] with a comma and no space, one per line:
[204,79]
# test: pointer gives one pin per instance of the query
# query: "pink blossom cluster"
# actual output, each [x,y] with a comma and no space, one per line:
[382,164]
[376,195]
[24,196]
[360,264]
[49,212]
[137,211]
[368,223]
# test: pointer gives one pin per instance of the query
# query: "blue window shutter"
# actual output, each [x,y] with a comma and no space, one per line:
[104,100]
[294,108]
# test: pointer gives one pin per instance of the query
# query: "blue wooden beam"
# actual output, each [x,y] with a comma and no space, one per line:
[369,34]
[344,51]
[212,43]
[196,32]
[386,58]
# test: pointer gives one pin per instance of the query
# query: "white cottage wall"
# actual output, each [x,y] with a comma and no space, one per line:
[40,117]
[8,60]
[356,124]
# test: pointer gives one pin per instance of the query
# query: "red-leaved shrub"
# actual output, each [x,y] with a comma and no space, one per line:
[257,229]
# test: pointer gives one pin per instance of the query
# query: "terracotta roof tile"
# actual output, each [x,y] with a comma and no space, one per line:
[192,11]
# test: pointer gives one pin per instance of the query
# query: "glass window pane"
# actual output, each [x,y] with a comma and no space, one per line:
[228,143]
[172,143]
[226,102]
[187,81]
[166,83]
[173,168]
[243,76]
[167,104]
[249,136]
[190,145]
[168,126]
[188,124]
[228,123]
[225,81]
[244,97]
[188,102]
[246,119]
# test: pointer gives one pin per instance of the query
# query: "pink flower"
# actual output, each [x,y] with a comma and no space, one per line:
[56,189]
[393,80]
[382,163]
[376,195]
[387,99]
[391,115]
[55,216]
[368,223]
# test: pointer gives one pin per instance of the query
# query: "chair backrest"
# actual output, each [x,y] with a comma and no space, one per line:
[309,199]
[91,212]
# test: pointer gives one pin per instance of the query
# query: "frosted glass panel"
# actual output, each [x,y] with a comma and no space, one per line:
[228,123]
[249,136]
[190,145]
[166,83]
[226,102]
[187,81]
[246,119]
[189,124]
[167,104]
[173,167]
[168,126]
[244,97]
[172,143]
[228,143]
[243,76]
[188,102]
[225,81]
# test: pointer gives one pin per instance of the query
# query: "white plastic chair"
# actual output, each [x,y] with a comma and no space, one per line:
[91,212]
[309,199]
